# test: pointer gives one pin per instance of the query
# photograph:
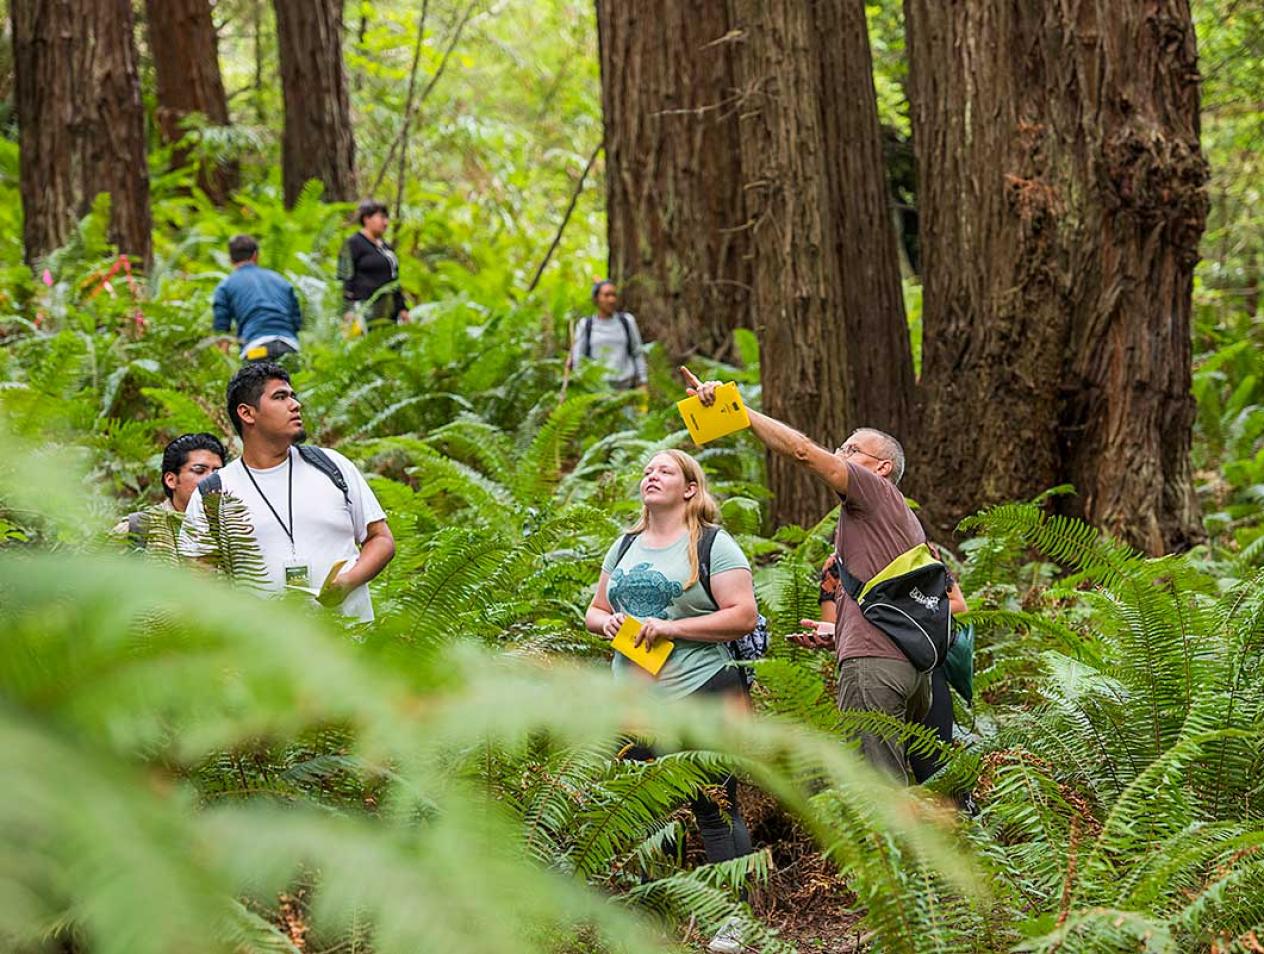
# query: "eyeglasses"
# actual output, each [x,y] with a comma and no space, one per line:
[849,450]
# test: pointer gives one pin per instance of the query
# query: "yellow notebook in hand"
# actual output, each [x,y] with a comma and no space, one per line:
[652,659]
[726,415]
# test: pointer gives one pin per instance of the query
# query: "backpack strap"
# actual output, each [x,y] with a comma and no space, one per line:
[850,584]
[325,464]
[210,484]
[624,545]
[627,332]
[706,540]
[585,340]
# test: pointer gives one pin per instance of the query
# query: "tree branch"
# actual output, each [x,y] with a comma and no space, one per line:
[570,208]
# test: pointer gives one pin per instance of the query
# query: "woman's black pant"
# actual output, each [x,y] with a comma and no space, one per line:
[724,834]
[939,718]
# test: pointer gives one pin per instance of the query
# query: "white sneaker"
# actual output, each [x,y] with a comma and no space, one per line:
[727,940]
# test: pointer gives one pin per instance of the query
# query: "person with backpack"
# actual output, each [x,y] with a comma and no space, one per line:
[261,303]
[185,461]
[309,507]
[611,338]
[686,580]
[369,270]
[894,623]
[819,634]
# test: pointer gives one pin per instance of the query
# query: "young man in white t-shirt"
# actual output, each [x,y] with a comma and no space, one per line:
[303,521]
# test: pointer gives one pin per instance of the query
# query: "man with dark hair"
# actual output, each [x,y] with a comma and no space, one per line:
[336,517]
[875,527]
[260,302]
[185,461]
[611,338]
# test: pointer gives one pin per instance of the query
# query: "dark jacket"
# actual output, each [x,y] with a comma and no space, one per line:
[363,268]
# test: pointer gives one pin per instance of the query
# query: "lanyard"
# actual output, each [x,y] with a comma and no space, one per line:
[289,531]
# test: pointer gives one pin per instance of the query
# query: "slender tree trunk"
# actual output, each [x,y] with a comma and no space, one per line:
[186,60]
[1062,200]
[318,142]
[82,127]
[678,237]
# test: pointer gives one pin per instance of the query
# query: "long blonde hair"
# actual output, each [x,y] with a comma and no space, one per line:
[700,509]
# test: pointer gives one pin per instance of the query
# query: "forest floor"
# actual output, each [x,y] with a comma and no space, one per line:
[805,899]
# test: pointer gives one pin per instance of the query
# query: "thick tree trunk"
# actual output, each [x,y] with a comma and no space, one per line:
[82,127]
[186,61]
[789,203]
[318,142]
[1062,200]
[878,359]
[679,249]
[835,351]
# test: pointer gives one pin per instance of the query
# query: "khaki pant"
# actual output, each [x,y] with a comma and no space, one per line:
[891,686]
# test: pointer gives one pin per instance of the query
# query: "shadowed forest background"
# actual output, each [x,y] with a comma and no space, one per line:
[1025,238]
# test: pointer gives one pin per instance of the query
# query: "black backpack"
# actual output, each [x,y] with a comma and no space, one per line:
[754,645]
[211,484]
[585,335]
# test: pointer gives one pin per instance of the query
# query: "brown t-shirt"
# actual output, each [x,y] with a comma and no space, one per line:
[874,527]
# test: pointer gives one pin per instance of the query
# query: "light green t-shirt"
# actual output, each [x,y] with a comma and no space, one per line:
[649,582]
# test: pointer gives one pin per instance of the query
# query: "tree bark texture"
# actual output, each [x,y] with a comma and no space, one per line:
[82,128]
[1062,200]
[318,142]
[679,249]
[796,275]
[186,61]
[826,288]
[876,351]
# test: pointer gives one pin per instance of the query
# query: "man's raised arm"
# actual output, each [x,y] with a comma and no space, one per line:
[781,438]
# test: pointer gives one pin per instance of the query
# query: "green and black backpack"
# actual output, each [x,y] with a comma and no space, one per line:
[907,600]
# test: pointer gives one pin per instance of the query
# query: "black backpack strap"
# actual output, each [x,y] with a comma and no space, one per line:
[624,546]
[325,464]
[627,332]
[210,484]
[851,584]
[706,540]
[585,338]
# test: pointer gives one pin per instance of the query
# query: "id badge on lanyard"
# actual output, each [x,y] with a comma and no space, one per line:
[297,573]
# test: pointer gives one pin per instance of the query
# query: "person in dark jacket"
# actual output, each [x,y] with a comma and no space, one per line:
[259,302]
[369,270]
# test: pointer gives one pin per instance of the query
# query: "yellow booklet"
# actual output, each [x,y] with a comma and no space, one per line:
[726,415]
[652,659]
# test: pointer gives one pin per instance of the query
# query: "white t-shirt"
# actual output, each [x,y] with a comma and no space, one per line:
[326,527]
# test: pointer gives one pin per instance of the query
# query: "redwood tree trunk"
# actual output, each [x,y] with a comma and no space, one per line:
[679,249]
[77,94]
[826,291]
[1062,200]
[796,276]
[318,142]
[876,352]
[186,61]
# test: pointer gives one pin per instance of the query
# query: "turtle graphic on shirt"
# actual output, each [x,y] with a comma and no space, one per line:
[643,591]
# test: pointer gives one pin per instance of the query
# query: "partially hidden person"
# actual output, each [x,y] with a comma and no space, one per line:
[260,303]
[309,507]
[369,270]
[653,573]
[611,338]
[185,461]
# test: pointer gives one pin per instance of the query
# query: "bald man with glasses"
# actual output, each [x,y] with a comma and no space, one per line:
[875,526]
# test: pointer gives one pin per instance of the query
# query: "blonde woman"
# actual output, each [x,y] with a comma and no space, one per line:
[654,576]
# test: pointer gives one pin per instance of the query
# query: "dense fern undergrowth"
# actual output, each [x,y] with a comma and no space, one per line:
[192,768]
